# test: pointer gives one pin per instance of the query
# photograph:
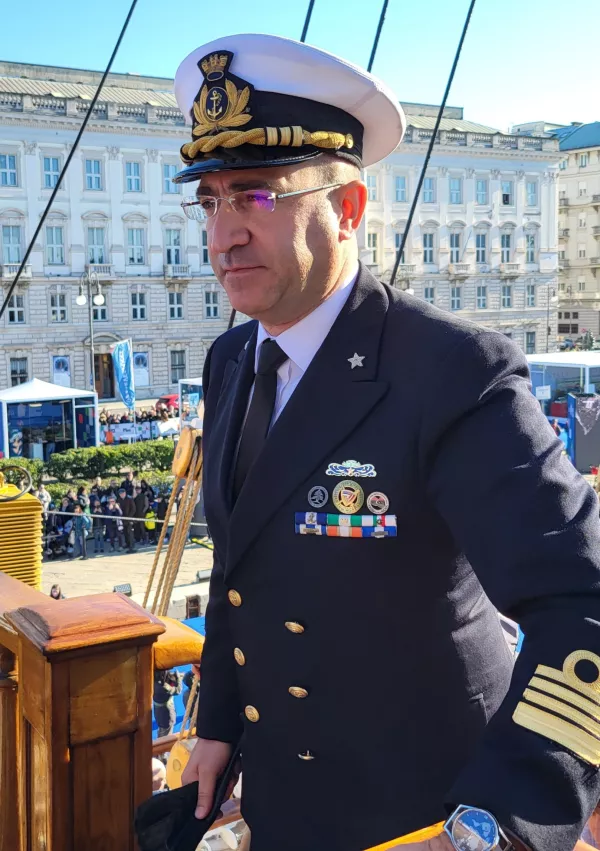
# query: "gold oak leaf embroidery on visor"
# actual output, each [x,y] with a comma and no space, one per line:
[564,708]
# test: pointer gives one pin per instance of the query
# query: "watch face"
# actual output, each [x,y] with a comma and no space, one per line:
[475,830]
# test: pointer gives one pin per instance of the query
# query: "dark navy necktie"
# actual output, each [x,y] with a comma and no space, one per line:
[260,412]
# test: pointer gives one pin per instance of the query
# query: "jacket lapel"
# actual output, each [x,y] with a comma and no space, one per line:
[331,400]
[226,427]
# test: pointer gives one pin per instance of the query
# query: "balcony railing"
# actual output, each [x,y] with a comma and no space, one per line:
[563,201]
[405,270]
[594,262]
[9,270]
[596,231]
[596,200]
[104,271]
[563,264]
[510,270]
[563,233]
[174,271]
[459,270]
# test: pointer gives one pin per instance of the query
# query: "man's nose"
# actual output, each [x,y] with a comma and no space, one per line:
[226,230]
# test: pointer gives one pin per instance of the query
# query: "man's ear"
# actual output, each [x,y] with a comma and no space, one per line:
[353,204]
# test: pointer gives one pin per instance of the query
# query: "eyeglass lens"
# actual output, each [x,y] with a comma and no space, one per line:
[251,201]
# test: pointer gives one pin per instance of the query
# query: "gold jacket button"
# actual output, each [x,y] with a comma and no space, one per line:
[306,756]
[294,627]
[239,656]
[251,713]
[298,691]
[235,598]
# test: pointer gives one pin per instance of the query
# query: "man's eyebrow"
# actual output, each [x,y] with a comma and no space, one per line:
[237,187]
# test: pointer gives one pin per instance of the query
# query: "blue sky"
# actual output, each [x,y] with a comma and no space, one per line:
[511,68]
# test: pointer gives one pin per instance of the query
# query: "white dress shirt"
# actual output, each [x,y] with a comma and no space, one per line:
[302,341]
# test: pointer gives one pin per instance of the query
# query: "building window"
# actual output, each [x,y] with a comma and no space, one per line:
[205,259]
[175,305]
[372,187]
[532,193]
[138,306]
[400,189]
[455,247]
[100,312]
[561,254]
[581,285]
[582,188]
[575,315]
[173,239]
[456,190]
[8,170]
[177,365]
[455,296]
[582,220]
[18,371]
[51,172]
[11,244]
[530,295]
[481,193]
[428,248]
[169,172]
[505,244]
[55,248]
[133,174]
[373,244]
[480,247]
[211,305]
[93,174]
[397,243]
[429,190]
[530,248]
[481,297]
[429,295]
[507,193]
[563,164]
[58,307]
[581,250]
[583,160]
[506,295]
[16,310]
[95,245]
[135,246]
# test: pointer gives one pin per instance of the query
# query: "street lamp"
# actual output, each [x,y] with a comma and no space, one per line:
[88,281]
[551,298]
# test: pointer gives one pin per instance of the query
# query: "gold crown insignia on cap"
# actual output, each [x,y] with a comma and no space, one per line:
[214,65]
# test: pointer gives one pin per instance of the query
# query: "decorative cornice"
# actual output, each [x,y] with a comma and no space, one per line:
[17,120]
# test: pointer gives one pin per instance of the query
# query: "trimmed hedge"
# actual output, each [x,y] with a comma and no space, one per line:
[36,468]
[155,455]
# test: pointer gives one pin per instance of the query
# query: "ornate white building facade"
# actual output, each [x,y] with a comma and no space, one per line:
[118,215]
[483,242]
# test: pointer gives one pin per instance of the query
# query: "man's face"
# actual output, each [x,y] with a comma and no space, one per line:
[274,264]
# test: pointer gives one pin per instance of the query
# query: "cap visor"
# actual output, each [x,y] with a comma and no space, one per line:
[196,170]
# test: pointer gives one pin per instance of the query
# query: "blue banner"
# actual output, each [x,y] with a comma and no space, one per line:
[122,354]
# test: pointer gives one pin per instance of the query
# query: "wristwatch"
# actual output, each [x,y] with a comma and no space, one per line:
[474,829]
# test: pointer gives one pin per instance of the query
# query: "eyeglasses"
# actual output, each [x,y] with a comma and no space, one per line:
[247,202]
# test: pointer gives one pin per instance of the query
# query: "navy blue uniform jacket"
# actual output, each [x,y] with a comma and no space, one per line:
[412,702]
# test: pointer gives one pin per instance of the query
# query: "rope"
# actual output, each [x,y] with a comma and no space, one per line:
[190,496]
[163,532]
[188,708]
[282,136]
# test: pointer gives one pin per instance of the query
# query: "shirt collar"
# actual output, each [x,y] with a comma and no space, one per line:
[303,340]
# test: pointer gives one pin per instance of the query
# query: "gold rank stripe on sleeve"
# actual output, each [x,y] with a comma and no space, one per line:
[564,708]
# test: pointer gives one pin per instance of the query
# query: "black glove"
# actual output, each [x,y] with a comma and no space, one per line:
[166,822]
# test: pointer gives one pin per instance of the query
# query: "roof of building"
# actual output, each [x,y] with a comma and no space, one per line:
[423,122]
[578,136]
[114,94]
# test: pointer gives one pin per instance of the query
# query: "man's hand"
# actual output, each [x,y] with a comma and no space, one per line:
[207,761]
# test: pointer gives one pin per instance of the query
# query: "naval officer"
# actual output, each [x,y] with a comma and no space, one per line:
[379,483]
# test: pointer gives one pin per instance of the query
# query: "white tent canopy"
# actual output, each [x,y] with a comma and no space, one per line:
[40,391]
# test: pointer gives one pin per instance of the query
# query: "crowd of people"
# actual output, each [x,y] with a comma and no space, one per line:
[158,413]
[112,517]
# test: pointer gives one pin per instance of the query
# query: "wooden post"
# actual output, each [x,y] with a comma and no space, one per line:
[85,683]
[10,835]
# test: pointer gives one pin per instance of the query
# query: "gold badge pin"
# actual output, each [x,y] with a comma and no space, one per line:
[348,497]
